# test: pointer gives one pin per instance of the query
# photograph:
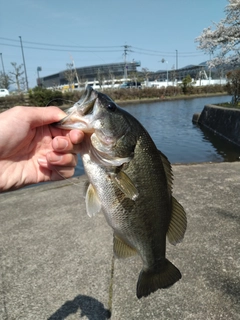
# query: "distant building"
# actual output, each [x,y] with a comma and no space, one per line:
[195,71]
[91,73]
[201,71]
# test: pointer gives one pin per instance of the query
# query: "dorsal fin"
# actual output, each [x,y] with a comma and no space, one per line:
[178,223]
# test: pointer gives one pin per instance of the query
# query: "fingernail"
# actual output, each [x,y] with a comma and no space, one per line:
[79,134]
[61,144]
[42,161]
[54,157]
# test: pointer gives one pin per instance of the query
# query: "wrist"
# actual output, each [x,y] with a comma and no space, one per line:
[7,174]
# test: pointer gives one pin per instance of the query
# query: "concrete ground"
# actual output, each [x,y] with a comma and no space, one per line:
[56,262]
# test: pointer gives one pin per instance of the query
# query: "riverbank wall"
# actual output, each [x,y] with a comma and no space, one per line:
[222,121]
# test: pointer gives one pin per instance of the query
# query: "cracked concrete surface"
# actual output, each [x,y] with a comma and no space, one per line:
[56,261]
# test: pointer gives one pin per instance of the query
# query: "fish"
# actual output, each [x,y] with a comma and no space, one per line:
[131,182]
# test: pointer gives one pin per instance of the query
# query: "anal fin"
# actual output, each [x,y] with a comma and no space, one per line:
[121,249]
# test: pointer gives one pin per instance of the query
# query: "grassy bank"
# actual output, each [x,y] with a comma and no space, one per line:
[44,97]
[230,105]
[179,97]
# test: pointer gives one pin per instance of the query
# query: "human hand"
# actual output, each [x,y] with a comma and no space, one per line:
[33,151]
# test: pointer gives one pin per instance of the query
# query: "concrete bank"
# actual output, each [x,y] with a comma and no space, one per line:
[55,261]
[223,121]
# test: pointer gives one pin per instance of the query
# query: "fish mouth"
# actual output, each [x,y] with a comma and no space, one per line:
[74,122]
[80,115]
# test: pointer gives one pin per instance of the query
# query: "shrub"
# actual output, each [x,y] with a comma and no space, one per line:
[11,101]
[187,85]
[42,97]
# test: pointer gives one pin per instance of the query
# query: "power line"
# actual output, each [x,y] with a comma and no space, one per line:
[153,51]
[138,50]
[172,55]
[63,50]
[162,52]
[60,45]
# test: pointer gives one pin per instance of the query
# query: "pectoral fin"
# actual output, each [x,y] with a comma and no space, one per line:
[125,184]
[121,249]
[178,223]
[93,204]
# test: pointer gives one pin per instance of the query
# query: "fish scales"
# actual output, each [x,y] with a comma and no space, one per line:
[131,183]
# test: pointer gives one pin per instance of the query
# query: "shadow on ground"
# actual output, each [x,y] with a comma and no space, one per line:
[87,306]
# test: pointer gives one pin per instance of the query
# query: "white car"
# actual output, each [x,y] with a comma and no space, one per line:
[4,92]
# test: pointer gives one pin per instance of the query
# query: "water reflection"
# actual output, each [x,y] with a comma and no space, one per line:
[170,125]
[225,151]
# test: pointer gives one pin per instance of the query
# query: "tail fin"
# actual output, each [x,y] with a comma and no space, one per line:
[149,281]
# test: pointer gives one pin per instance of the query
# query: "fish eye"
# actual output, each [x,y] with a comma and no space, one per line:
[111,106]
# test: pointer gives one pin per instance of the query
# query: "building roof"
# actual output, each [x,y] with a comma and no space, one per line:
[90,73]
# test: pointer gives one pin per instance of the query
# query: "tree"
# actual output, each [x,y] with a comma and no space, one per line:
[69,75]
[146,73]
[135,77]
[16,75]
[4,80]
[224,40]
[100,77]
[111,77]
[186,84]
[234,85]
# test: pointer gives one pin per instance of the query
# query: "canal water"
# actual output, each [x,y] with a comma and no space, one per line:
[170,126]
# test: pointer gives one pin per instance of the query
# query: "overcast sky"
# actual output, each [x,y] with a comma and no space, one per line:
[91,32]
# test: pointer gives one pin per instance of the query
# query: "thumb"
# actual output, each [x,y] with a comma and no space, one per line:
[39,116]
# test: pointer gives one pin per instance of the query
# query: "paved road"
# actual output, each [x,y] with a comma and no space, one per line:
[56,262]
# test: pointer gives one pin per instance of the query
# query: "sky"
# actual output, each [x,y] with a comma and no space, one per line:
[55,33]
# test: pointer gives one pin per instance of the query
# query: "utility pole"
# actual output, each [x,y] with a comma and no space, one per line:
[176,59]
[24,64]
[5,77]
[176,65]
[126,48]
[2,65]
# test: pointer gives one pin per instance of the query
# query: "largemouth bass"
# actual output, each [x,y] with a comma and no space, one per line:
[130,181]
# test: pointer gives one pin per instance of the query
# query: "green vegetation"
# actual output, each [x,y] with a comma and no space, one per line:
[230,105]
[11,101]
[44,97]
[187,84]
[161,93]
[233,86]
